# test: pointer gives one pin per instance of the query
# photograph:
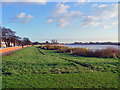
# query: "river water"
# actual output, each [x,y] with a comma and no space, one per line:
[94,47]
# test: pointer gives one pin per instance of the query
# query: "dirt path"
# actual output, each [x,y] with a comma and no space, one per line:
[4,51]
[40,51]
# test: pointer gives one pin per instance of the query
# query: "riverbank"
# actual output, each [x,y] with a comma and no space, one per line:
[34,67]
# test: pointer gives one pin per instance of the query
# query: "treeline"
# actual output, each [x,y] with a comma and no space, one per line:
[53,41]
[94,43]
[9,39]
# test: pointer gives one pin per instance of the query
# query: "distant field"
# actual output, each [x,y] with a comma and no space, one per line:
[33,67]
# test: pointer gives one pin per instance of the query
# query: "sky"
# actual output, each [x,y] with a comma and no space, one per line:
[64,21]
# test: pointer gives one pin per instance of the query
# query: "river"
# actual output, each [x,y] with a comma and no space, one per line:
[93,47]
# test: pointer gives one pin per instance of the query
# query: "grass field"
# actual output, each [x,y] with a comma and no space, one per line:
[33,67]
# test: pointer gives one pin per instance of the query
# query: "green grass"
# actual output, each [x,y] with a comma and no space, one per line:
[33,67]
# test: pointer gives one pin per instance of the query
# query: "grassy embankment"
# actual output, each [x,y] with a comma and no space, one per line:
[38,68]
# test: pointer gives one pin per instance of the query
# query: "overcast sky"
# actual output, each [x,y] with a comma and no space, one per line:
[64,21]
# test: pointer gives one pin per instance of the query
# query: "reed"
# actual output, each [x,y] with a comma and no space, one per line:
[109,52]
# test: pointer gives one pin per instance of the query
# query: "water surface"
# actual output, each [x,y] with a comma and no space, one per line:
[94,47]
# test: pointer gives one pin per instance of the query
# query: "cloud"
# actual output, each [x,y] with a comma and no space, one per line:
[34,1]
[68,18]
[27,19]
[49,21]
[62,16]
[102,16]
[22,18]
[62,22]
[60,9]
[115,22]
[105,26]
[103,5]
[108,12]
[89,20]
[21,15]
[73,14]
[81,1]
[94,5]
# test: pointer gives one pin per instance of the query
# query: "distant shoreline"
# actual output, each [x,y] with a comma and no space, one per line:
[92,44]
